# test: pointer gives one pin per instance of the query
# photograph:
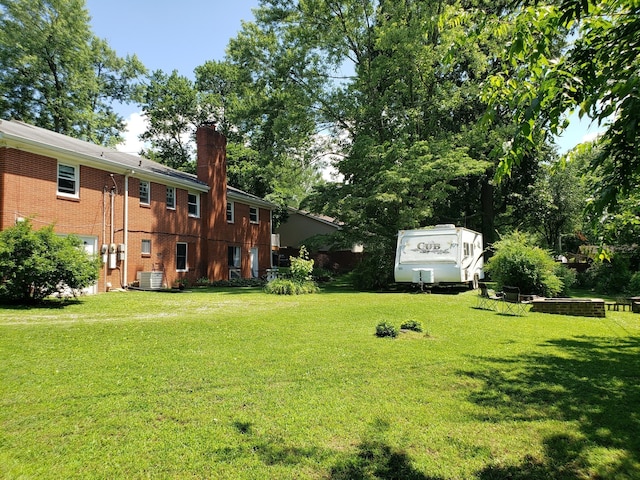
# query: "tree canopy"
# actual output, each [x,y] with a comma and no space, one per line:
[596,74]
[56,74]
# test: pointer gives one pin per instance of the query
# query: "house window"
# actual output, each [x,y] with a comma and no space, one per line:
[68,183]
[171,198]
[254,262]
[230,216]
[144,192]
[194,205]
[233,254]
[253,214]
[234,257]
[146,248]
[181,257]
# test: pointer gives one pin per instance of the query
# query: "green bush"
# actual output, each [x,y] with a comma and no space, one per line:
[239,282]
[322,275]
[374,272]
[608,277]
[567,276]
[36,264]
[298,281]
[634,284]
[386,329]
[301,266]
[411,325]
[286,286]
[518,263]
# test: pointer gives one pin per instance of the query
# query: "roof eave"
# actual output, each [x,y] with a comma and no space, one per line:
[40,148]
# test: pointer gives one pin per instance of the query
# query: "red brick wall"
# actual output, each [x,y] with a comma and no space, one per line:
[219,233]
[29,191]
[28,185]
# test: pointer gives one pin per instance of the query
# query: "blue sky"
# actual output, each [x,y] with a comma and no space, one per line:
[180,35]
[166,35]
[170,34]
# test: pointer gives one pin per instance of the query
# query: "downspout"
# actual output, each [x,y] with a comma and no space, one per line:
[125,262]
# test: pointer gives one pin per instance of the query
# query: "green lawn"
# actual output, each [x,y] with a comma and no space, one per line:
[240,384]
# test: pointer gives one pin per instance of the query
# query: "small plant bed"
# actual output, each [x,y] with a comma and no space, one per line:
[388,329]
[298,280]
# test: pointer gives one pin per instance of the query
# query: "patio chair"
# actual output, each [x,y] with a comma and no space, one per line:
[487,298]
[622,302]
[512,302]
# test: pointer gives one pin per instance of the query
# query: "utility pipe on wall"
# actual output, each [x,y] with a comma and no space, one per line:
[125,222]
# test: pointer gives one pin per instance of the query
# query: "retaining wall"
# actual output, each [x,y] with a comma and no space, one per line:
[581,307]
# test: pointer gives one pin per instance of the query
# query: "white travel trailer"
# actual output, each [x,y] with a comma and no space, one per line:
[443,254]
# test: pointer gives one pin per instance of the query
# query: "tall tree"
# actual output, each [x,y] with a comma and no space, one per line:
[410,111]
[270,149]
[55,73]
[597,75]
[174,109]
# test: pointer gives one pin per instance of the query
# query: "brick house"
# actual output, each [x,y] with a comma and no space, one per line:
[147,221]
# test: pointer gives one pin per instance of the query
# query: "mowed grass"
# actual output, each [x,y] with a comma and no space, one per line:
[238,384]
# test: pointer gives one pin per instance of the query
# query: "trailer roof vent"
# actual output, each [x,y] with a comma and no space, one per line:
[445,225]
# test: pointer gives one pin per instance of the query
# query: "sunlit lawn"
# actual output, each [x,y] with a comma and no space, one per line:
[240,384]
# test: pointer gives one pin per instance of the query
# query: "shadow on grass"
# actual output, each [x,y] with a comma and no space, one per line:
[591,382]
[374,459]
[46,304]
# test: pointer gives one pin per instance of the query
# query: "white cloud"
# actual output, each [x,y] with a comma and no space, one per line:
[136,125]
[591,136]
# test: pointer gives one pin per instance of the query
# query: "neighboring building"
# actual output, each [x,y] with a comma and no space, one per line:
[141,216]
[302,226]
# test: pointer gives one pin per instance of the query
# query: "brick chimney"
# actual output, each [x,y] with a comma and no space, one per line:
[212,169]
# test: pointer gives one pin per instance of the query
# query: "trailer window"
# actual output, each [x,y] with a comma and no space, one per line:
[468,249]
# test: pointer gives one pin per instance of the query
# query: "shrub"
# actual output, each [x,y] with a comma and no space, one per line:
[608,277]
[634,284]
[374,272]
[518,263]
[301,266]
[239,282]
[285,286]
[411,325]
[36,264]
[568,277]
[386,329]
[321,275]
[298,281]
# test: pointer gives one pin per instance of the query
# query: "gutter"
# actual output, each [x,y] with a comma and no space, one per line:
[102,163]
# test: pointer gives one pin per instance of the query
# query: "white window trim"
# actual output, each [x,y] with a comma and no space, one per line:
[142,244]
[76,179]
[257,220]
[186,257]
[233,212]
[171,207]
[197,214]
[146,201]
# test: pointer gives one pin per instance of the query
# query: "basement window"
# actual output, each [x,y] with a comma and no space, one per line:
[181,257]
